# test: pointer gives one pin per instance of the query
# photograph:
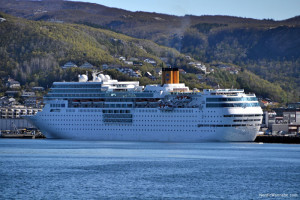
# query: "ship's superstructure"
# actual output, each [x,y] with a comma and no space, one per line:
[106,109]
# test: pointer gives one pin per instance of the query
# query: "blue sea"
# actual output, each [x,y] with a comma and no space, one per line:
[66,169]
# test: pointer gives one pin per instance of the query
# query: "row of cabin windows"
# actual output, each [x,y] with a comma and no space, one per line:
[117,105]
[231,99]
[89,110]
[226,125]
[140,131]
[246,120]
[115,111]
[74,95]
[77,116]
[160,118]
[218,105]
[88,95]
[99,119]
[68,91]
[174,111]
[74,120]
[137,117]
[57,105]
[97,85]
[131,125]
[256,115]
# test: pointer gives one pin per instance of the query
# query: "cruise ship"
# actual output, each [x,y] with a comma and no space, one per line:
[107,109]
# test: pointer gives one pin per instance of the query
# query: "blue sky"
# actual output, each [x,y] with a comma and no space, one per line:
[258,9]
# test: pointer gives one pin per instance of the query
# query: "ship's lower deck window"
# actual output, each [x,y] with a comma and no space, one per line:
[231,99]
[117,120]
[115,111]
[218,105]
[226,125]
[256,115]
[55,110]
[246,120]
[57,105]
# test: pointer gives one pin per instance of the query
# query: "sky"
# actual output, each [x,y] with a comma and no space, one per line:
[257,9]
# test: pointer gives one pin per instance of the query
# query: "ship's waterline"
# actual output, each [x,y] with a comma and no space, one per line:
[106,109]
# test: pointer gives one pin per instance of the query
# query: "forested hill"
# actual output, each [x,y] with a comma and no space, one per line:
[267,48]
[29,49]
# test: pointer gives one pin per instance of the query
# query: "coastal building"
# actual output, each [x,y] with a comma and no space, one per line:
[11,117]
[86,65]
[130,72]
[56,21]
[284,121]
[164,59]
[11,83]
[27,94]
[33,102]
[269,118]
[14,112]
[105,66]
[188,57]
[128,62]
[7,101]
[150,76]
[294,105]
[199,76]
[122,58]
[158,71]
[233,71]
[137,63]
[200,66]
[12,93]
[133,59]
[68,65]
[38,88]
[150,61]
[181,71]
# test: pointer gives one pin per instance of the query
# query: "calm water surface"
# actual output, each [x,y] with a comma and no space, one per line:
[65,169]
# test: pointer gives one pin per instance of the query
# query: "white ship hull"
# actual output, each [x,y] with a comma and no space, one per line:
[222,135]
[156,127]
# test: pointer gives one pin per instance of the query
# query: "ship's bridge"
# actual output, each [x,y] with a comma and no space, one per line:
[217,98]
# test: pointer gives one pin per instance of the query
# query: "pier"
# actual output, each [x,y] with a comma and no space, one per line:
[278,139]
[31,133]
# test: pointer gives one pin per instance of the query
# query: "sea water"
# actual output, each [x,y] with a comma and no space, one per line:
[66,169]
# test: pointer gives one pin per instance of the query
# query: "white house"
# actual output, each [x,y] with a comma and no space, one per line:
[11,83]
[150,61]
[27,94]
[201,67]
[127,62]
[68,65]
[86,65]
[122,58]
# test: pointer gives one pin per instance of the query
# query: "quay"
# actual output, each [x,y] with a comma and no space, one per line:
[278,139]
[22,134]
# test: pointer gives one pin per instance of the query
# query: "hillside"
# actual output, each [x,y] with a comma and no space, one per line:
[29,47]
[242,41]
[32,52]
[257,46]
[154,26]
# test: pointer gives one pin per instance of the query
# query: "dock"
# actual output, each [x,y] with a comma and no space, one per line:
[22,134]
[278,139]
